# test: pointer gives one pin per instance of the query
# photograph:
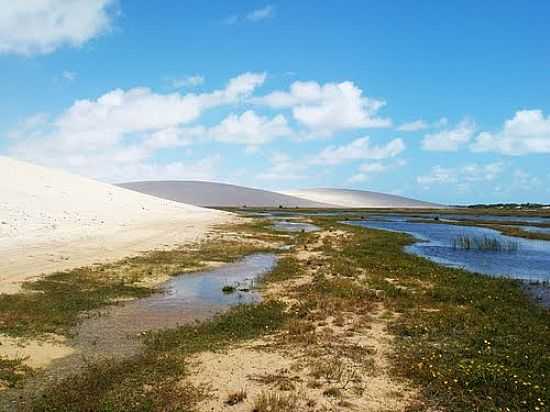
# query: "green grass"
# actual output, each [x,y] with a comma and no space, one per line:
[154,380]
[55,303]
[470,342]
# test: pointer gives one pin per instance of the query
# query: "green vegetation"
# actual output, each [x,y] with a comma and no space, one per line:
[470,342]
[229,289]
[55,303]
[484,243]
[12,371]
[154,380]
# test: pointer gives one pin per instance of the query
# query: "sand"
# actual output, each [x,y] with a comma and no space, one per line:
[211,194]
[347,198]
[51,220]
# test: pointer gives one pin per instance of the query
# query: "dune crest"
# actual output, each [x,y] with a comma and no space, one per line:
[348,198]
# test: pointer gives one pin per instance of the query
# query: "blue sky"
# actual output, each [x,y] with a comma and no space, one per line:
[443,101]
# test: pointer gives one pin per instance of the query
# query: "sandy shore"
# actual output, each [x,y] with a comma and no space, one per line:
[51,220]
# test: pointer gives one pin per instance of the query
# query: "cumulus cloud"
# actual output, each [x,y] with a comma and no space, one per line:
[449,140]
[41,26]
[326,109]
[413,126]
[250,129]
[359,149]
[466,174]
[283,167]
[527,132]
[125,127]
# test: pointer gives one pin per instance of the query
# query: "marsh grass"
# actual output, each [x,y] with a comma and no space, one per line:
[484,243]
[470,342]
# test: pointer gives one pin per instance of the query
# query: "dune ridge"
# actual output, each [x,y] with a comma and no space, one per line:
[212,194]
[348,198]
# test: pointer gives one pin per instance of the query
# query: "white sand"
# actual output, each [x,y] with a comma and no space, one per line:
[346,198]
[51,220]
[214,194]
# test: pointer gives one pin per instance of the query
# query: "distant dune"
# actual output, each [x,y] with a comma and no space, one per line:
[346,198]
[210,194]
[52,220]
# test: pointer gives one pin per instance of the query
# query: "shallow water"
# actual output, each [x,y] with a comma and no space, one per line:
[535,229]
[286,226]
[186,298]
[531,261]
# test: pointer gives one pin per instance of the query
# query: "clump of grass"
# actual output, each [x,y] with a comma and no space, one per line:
[12,371]
[287,268]
[484,243]
[228,289]
[235,398]
[275,402]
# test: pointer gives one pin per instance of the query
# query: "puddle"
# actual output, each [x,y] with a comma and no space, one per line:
[186,298]
[286,226]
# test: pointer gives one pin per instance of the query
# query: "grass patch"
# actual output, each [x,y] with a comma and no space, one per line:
[471,342]
[55,303]
[275,402]
[155,379]
[12,371]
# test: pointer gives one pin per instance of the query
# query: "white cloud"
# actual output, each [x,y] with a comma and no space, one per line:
[250,129]
[328,108]
[30,27]
[261,14]
[123,127]
[69,76]
[449,140]
[359,149]
[367,169]
[189,81]
[283,167]
[527,132]
[413,126]
[466,174]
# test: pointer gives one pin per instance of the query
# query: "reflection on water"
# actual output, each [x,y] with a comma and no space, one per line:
[531,261]
[286,226]
[186,298]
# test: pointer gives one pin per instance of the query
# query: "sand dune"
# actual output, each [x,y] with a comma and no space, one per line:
[218,194]
[51,220]
[346,198]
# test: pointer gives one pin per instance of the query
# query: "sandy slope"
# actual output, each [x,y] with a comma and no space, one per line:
[347,198]
[218,194]
[51,220]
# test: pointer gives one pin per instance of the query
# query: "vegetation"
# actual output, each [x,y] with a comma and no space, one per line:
[484,243]
[153,380]
[470,342]
[55,303]
[467,341]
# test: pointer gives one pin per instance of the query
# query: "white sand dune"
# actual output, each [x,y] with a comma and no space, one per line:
[212,194]
[347,198]
[51,220]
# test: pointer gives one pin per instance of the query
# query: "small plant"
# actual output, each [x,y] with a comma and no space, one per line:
[274,402]
[228,289]
[236,397]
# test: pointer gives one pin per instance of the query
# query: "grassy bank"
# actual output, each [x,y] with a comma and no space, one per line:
[470,342]
[467,342]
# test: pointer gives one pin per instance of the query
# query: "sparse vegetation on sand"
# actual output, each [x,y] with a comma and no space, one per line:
[345,307]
